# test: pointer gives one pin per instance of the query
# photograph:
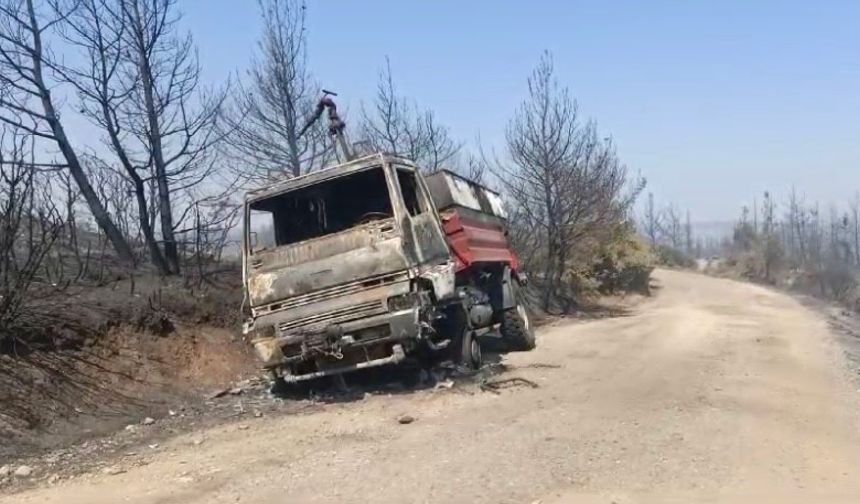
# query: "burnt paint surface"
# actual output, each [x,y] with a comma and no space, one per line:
[292,271]
[366,251]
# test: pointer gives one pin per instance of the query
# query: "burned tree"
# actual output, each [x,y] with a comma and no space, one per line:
[267,113]
[105,86]
[27,102]
[673,228]
[174,121]
[396,126]
[567,186]
[139,82]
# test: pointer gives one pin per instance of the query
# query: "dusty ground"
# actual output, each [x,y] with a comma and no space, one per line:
[712,391]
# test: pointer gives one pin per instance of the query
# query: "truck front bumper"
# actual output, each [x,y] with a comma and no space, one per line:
[338,348]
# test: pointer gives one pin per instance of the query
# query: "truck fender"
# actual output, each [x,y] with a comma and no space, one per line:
[441,279]
[508,289]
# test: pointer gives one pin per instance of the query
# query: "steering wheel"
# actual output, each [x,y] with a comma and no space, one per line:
[372,216]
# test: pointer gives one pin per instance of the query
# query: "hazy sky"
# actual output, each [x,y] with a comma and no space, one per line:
[713,102]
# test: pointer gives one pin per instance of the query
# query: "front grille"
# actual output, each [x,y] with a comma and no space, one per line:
[340,316]
[333,292]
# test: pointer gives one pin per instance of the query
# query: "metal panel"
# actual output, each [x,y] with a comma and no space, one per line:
[451,190]
[476,239]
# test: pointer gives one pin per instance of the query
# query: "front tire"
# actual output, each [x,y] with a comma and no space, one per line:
[467,350]
[516,328]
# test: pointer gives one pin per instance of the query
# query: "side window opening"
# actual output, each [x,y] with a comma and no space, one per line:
[409,189]
[262,230]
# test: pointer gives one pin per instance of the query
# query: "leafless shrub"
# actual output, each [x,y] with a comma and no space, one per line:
[30,224]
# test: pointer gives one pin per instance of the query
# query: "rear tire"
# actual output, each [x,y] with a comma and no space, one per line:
[516,328]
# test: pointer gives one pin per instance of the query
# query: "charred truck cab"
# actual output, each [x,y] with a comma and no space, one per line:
[366,263]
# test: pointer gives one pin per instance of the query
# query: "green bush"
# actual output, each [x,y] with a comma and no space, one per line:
[673,258]
[621,264]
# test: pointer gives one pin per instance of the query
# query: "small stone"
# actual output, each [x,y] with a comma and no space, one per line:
[113,470]
[258,413]
[53,479]
[406,419]
[444,384]
[236,390]
[131,428]
[23,471]
[153,446]
[5,471]
[243,427]
[198,441]
[147,421]
[367,395]
[171,412]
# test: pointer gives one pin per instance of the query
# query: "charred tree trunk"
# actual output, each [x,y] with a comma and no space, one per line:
[165,208]
[98,210]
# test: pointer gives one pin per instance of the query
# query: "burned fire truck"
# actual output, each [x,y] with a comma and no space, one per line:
[369,263]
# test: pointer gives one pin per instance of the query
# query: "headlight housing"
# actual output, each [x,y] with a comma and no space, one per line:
[402,302]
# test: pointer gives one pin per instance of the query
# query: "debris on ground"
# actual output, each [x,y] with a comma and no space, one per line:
[23,471]
[113,470]
[220,393]
[542,365]
[444,384]
[147,421]
[405,419]
[495,386]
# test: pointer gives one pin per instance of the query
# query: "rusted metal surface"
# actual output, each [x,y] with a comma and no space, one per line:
[330,261]
[474,239]
[327,300]
[396,356]
[450,190]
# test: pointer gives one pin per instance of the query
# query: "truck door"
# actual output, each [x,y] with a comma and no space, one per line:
[422,232]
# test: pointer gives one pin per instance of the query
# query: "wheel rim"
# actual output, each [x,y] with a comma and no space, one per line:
[524,316]
[475,351]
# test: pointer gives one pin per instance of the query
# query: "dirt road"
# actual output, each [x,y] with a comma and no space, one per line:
[711,391]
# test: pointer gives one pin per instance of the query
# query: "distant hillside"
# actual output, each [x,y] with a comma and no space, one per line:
[713,230]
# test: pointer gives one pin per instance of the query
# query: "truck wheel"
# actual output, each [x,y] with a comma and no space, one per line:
[467,350]
[470,350]
[516,327]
